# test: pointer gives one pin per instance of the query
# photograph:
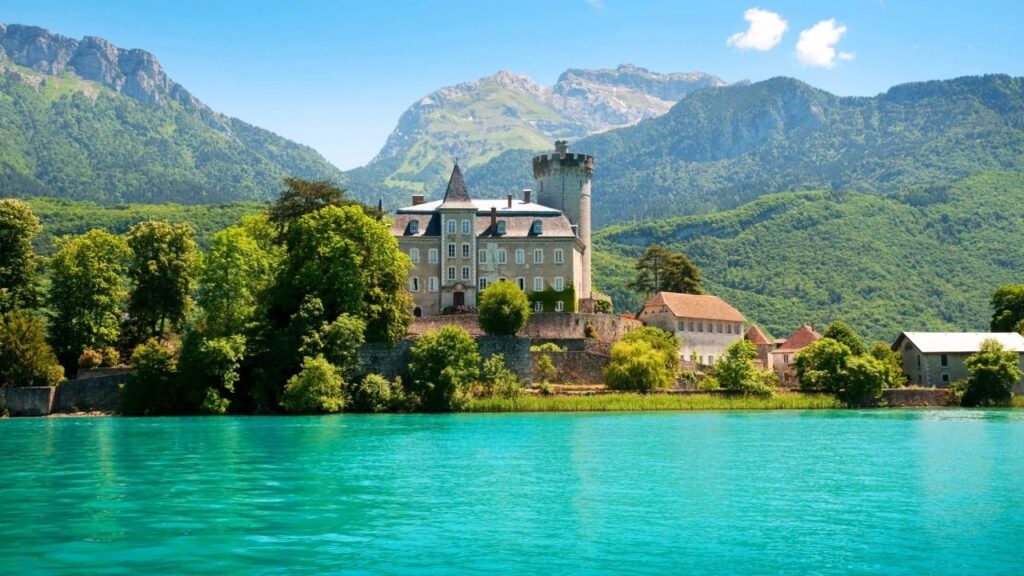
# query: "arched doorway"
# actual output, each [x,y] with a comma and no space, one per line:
[417,312]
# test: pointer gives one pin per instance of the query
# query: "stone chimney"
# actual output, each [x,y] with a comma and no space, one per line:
[494,219]
[561,148]
[417,199]
[526,195]
[509,199]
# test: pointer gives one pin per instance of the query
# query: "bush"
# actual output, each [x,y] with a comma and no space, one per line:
[992,373]
[316,389]
[547,347]
[111,357]
[708,384]
[497,380]
[209,370]
[661,341]
[589,331]
[545,371]
[339,343]
[503,309]
[736,370]
[374,393]
[26,359]
[444,365]
[152,384]
[638,366]
[863,381]
[89,359]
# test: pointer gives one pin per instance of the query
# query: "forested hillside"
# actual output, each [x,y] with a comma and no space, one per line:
[926,259]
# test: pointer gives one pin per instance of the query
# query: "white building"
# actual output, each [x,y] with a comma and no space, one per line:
[706,324]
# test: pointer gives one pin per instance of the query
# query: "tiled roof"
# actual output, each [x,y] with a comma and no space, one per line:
[553,225]
[803,337]
[932,342]
[756,336]
[484,207]
[456,196]
[697,306]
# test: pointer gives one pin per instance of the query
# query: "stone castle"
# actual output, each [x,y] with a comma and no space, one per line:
[459,245]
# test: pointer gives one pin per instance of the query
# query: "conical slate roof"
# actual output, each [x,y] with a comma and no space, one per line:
[456,196]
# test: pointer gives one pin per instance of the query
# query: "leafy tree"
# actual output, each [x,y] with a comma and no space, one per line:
[338,342]
[821,365]
[87,294]
[660,270]
[892,360]
[503,309]
[664,342]
[152,386]
[841,332]
[992,372]
[736,371]
[373,393]
[162,272]
[637,365]
[317,388]
[18,228]
[1007,308]
[209,370]
[863,380]
[301,197]
[25,357]
[444,365]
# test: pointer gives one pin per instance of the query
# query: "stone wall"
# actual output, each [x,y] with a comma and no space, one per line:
[93,394]
[554,326]
[908,397]
[392,361]
[583,361]
[26,401]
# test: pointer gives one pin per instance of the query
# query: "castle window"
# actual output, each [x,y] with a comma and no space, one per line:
[559,284]
[520,256]
[537,228]
[465,250]
[467,227]
[559,256]
[432,284]
[559,306]
[482,256]
[538,256]
[451,249]
[521,282]
[414,284]
[538,284]
[483,284]
[465,273]
[502,256]
[414,255]
[451,272]
[451,226]
[414,227]
[432,255]
[501,227]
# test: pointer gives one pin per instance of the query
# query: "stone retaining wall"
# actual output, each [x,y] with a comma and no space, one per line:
[552,326]
[94,394]
[26,401]
[392,361]
[910,397]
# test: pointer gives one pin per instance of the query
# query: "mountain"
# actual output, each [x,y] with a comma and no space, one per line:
[84,119]
[925,259]
[721,147]
[476,121]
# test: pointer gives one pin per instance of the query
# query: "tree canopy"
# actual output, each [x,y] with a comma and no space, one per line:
[992,371]
[503,309]
[162,274]
[18,228]
[661,270]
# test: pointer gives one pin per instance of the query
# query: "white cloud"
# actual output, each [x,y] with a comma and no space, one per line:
[595,4]
[816,46]
[765,31]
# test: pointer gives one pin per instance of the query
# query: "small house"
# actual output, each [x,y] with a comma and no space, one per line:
[706,324]
[936,359]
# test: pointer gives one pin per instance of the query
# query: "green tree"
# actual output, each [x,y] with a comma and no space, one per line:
[152,386]
[736,371]
[162,273]
[498,380]
[841,332]
[503,309]
[1007,308]
[18,269]
[862,381]
[444,365]
[992,372]
[301,197]
[637,366]
[338,342]
[316,389]
[26,359]
[87,294]
[893,363]
[664,342]
[373,393]
[822,365]
[661,270]
[209,370]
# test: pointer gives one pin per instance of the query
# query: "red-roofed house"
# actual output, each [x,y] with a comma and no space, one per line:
[784,357]
[764,344]
[706,324]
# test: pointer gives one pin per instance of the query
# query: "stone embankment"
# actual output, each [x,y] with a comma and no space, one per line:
[93,391]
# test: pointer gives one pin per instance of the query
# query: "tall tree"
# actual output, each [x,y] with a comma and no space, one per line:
[992,371]
[1007,308]
[87,293]
[18,270]
[26,359]
[301,197]
[841,332]
[162,273]
[661,270]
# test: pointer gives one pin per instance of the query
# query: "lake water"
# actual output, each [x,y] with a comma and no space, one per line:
[827,492]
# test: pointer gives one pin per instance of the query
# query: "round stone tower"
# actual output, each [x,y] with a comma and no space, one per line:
[562,181]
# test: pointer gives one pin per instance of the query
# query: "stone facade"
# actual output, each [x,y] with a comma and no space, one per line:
[26,401]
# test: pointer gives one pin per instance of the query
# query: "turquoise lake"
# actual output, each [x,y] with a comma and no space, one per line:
[818,492]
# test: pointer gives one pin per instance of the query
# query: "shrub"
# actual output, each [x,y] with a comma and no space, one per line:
[111,357]
[992,371]
[637,366]
[589,331]
[339,343]
[545,370]
[547,347]
[89,359]
[497,380]
[661,341]
[444,365]
[736,370]
[316,389]
[708,384]
[152,385]
[863,380]
[26,359]
[820,366]
[503,309]
[373,393]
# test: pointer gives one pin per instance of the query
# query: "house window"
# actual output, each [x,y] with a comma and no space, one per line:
[945,378]
[414,227]
[482,256]
[538,306]
[538,284]
[700,326]
[538,256]
[432,284]
[465,273]
[451,250]
[559,284]
[537,228]
[711,359]
[700,360]
[414,255]
[559,256]
[520,256]
[466,227]
[944,360]
[691,325]
[414,284]
[465,250]
[682,325]
[919,361]
[785,359]
[719,327]
[483,284]
[502,256]
[451,226]
[501,227]
[559,306]
[432,255]
[521,282]
[451,272]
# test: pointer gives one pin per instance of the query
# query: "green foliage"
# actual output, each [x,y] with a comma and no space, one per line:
[992,373]
[821,365]
[709,383]
[503,309]
[637,365]
[316,389]
[89,359]
[736,371]
[863,381]
[1007,308]
[497,380]
[209,370]
[549,298]
[374,393]
[444,365]
[547,347]
[664,342]
[661,270]
[25,357]
[18,228]
[338,342]
[892,361]
[841,332]
[162,274]
[152,385]
[545,370]
[87,293]
[301,197]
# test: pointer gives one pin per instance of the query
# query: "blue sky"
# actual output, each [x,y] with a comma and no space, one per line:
[336,74]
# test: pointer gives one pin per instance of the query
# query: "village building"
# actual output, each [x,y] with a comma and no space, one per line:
[706,324]
[459,245]
[764,345]
[936,359]
[783,358]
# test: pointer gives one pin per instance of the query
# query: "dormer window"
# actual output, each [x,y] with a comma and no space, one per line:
[537,228]
[414,227]
[501,227]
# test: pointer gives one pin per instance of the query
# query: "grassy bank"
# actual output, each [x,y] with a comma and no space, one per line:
[640,402]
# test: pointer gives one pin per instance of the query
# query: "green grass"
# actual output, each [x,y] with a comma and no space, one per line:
[643,402]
